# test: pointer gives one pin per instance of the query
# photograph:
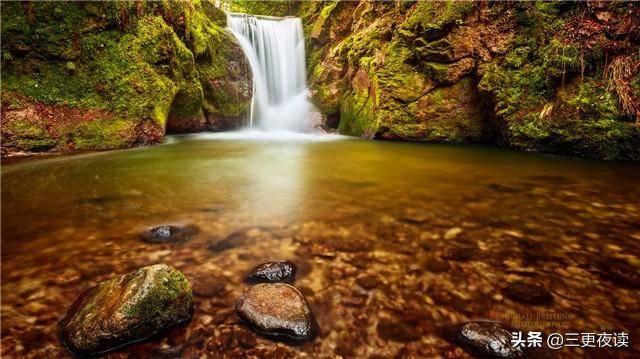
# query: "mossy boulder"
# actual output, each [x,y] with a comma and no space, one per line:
[550,92]
[113,74]
[453,114]
[533,76]
[582,119]
[127,309]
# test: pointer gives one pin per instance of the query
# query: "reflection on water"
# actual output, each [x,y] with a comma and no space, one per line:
[392,240]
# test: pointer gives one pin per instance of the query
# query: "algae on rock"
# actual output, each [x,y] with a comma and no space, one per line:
[103,75]
[525,75]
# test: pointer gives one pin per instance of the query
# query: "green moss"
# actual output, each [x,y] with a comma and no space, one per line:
[132,61]
[26,136]
[158,300]
[320,24]
[100,134]
[430,19]
[446,114]
[356,117]
[268,8]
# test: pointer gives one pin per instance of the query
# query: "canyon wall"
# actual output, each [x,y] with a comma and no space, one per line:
[104,75]
[555,77]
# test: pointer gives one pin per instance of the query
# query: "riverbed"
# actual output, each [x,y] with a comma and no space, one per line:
[393,241]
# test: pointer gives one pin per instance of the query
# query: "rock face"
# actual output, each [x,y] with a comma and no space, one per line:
[104,75]
[169,234]
[273,272]
[484,340]
[527,75]
[127,309]
[277,310]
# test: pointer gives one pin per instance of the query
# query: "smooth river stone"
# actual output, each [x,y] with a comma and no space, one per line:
[127,309]
[169,234]
[273,272]
[485,340]
[277,310]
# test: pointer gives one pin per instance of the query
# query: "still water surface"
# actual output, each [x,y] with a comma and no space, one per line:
[392,240]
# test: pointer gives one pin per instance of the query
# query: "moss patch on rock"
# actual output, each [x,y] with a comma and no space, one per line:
[128,66]
[525,75]
[127,309]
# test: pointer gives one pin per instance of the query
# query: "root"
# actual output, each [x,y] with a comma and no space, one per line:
[618,75]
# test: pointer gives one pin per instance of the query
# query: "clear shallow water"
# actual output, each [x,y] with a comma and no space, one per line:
[385,235]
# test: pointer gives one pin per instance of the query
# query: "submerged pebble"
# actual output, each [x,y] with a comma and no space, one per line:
[484,340]
[235,239]
[169,234]
[277,310]
[273,272]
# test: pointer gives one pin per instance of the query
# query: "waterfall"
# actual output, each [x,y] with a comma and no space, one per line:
[275,50]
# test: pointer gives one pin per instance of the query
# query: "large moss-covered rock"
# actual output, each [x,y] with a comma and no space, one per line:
[102,75]
[127,309]
[446,114]
[533,76]
[371,75]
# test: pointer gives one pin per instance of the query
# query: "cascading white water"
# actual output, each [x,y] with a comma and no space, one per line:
[275,50]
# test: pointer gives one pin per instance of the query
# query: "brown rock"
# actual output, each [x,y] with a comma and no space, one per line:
[484,340]
[273,272]
[127,309]
[277,310]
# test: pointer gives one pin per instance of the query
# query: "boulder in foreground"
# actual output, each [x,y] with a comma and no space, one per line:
[127,309]
[277,310]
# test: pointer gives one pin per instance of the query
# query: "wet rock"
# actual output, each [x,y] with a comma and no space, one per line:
[277,310]
[528,292]
[127,309]
[484,340]
[396,331]
[273,272]
[169,234]
[236,239]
